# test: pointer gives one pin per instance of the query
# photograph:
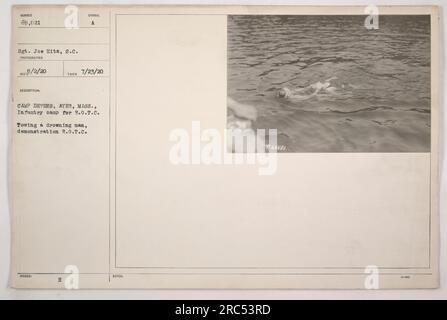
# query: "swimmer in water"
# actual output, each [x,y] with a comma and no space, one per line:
[307,92]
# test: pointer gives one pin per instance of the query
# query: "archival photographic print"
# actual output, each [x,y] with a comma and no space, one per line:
[327,83]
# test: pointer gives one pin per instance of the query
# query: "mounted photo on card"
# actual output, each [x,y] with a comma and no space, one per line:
[222,147]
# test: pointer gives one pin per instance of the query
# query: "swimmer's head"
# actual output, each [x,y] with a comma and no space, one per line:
[284,93]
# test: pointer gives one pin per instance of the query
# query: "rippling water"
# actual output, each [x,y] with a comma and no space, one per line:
[378,95]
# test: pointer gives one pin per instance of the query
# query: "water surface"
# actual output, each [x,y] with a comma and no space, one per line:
[380,100]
